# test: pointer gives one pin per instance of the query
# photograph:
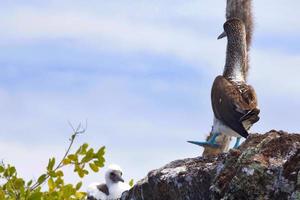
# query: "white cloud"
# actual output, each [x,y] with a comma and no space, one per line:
[150,27]
[109,33]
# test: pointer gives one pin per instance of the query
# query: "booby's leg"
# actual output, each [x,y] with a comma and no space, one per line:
[210,143]
[237,143]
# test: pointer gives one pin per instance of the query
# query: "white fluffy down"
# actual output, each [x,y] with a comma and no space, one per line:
[115,191]
[94,192]
[114,167]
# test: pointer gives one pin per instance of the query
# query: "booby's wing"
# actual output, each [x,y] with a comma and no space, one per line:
[249,96]
[233,104]
[103,188]
[97,191]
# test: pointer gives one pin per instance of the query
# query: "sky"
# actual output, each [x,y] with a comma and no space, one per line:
[140,73]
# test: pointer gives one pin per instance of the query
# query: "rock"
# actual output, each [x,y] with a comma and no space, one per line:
[265,166]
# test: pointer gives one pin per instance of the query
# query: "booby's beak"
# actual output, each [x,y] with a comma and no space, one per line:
[119,178]
[222,35]
[116,176]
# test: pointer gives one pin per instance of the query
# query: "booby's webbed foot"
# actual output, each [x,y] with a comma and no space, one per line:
[204,144]
[210,143]
[237,143]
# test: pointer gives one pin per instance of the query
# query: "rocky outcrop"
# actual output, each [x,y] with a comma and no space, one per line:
[265,166]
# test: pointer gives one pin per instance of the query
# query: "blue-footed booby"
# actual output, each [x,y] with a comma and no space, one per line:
[112,189]
[233,101]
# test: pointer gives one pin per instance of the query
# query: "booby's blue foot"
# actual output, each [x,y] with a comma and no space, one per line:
[210,143]
[204,144]
[237,143]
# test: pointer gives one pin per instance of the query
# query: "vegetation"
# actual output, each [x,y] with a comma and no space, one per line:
[83,160]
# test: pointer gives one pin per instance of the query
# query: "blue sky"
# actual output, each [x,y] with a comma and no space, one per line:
[140,72]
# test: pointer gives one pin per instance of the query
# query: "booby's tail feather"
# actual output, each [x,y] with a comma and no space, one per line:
[251,116]
[242,9]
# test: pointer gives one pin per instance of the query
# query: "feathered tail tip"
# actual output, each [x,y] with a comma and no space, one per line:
[241,9]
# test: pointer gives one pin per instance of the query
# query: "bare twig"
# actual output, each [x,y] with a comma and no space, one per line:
[79,130]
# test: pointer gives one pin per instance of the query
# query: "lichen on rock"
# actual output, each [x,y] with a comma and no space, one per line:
[265,166]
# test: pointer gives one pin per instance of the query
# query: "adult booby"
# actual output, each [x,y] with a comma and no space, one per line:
[234,102]
[112,189]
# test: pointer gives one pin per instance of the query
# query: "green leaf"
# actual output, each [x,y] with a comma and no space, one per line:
[59,181]
[94,167]
[19,183]
[52,174]
[11,170]
[82,149]
[86,159]
[101,152]
[89,156]
[100,162]
[85,146]
[67,161]
[68,191]
[78,185]
[77,168]
[80,195]
[90,151]
[1,169]
[80,173]
[35,196]
[51,164]
[73,157]
[59,173]
[29,183]
[42,178]
[51,184]
[131,182]
[2,194]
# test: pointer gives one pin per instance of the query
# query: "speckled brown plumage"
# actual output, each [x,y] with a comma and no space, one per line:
[236,53]
[234,104]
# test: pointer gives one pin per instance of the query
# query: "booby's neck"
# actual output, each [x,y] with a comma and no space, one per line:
[236,58]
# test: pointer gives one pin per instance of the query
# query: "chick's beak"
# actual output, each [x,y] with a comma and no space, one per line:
[222,35]
[119,178]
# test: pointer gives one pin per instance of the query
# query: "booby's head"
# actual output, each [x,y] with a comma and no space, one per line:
[113,175]
[233,29]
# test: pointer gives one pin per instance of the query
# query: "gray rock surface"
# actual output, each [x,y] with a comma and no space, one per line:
[265,166]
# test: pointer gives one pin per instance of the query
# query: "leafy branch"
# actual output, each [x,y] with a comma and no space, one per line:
[16,188]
